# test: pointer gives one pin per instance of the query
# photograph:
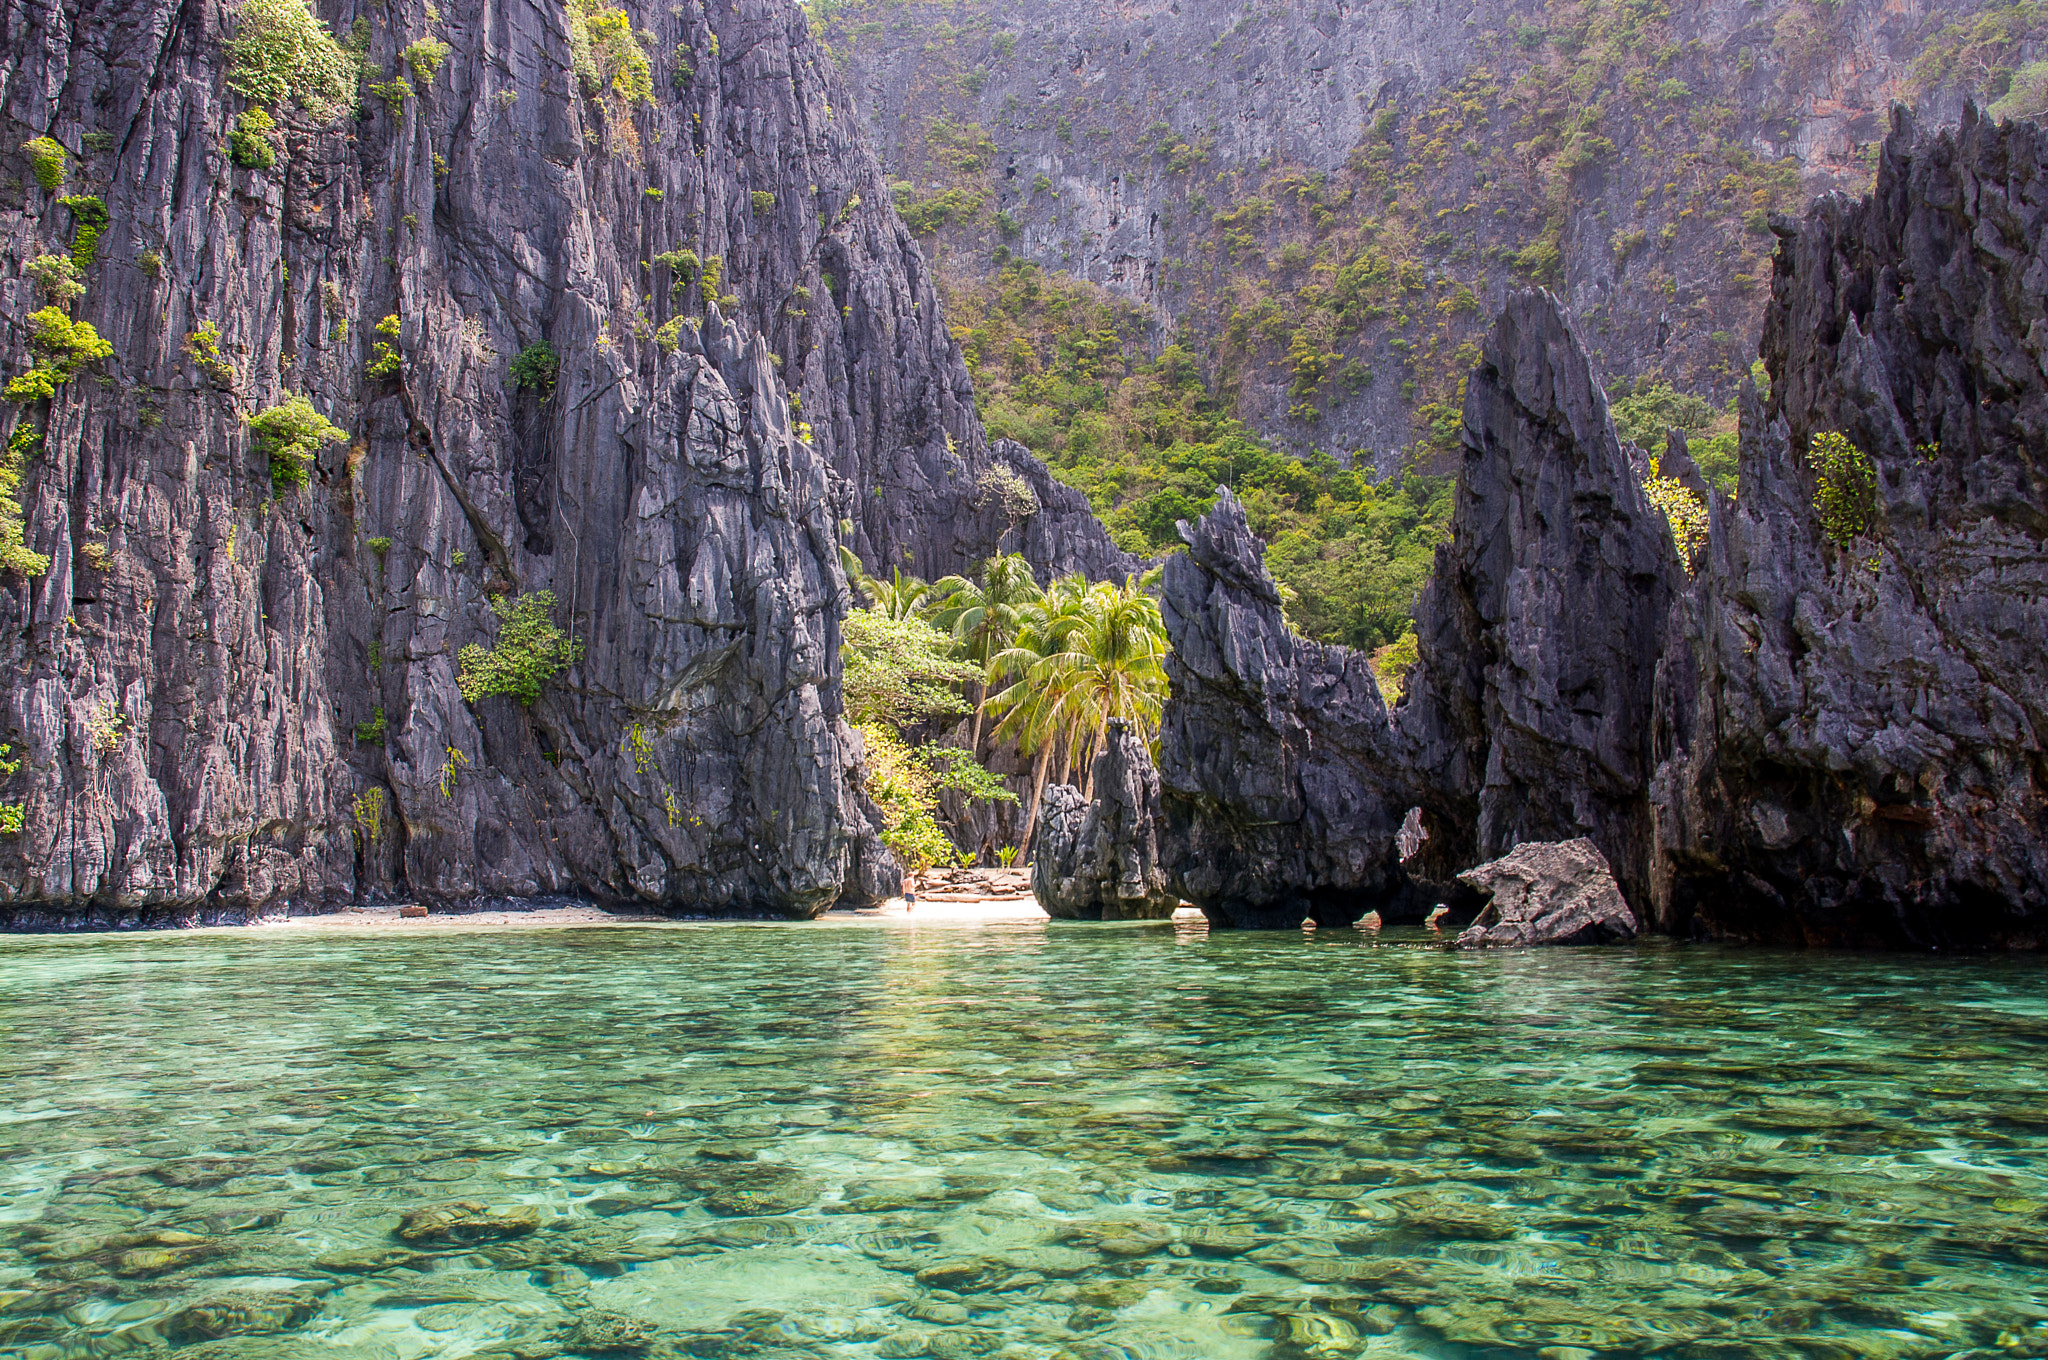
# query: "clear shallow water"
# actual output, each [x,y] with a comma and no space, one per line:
[1029,1142]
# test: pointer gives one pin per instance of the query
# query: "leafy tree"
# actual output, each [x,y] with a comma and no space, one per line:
[984,616]
[1084,655]
[529,652]
[900,670]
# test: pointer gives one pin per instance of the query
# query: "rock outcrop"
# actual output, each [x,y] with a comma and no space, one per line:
[1528,714]
[234,695]
[1853,731]
[1098,860]
[1558,892]
[1282,785]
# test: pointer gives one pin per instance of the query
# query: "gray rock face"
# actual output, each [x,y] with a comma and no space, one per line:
[1281,781]
[1528,715]
[1099,860]
[200,677]
[1852,736]
[1555,893]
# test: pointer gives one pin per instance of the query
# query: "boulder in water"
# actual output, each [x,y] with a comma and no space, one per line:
[1549,892]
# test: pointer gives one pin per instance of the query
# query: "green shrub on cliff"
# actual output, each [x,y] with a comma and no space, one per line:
[535,368]
[62,346]
[281,51]
[250,145]
[14,553]
[529,652]
[1845,487]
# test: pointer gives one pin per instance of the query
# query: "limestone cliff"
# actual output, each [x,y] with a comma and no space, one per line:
[233,694]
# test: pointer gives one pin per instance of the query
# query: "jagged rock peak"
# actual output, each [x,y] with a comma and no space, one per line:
[1528,713]
[1279,780]
[1098,858]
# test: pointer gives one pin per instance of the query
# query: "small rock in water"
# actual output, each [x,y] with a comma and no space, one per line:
[467,1221]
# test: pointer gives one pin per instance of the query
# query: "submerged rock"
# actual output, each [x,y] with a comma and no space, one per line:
[1099,860]
[1560,893]
[602,1333]
[466,1221]
[228,1315]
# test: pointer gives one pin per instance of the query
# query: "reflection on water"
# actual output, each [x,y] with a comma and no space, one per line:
[1025,1142]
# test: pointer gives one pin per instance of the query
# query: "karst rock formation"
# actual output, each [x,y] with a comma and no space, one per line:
[1822,739]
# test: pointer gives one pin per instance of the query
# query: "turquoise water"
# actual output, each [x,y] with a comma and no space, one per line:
[1026,1141]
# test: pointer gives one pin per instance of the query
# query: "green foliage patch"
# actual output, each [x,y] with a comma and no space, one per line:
[1845,487]
[47,161]
[15,555]
[251,145]
[529,652]
[535,368]
[282,52]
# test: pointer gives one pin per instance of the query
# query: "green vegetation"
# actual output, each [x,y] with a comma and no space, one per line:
[57,278]
[529,652]
[62,346]
[901,672]
[1647,411]
[764,203]
[379,546]
[1391,664]
[535,368]
[683,266]
[373,730]
[926,215]
[369,807]
[2027,94]
[292,434]
[384,357]
[1845,487]
[611,63]
[203,348]
[1058,366]
[424,58]
[281,51]
[1981,51]
[47,161]
[90,214]
[250,145]
[13,816]
[1684,511]
[1052,667]
[15,555]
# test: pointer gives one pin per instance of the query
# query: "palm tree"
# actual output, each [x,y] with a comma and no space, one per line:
[985,617]
[1086,654]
